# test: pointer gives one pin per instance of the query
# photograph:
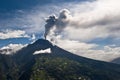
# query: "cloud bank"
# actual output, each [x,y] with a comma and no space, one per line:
[100,20]
[12,34]
[108,53]
[11,48]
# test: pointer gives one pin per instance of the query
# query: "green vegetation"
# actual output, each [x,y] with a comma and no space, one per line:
[56,68]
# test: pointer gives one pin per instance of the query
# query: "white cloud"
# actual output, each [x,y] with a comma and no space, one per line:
[97,19]
[12,34]
[108,54]
[33,37]
[74,45]
[11,48]
[43,51]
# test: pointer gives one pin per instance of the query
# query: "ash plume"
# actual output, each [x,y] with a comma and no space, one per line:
[50,24]
[55,25]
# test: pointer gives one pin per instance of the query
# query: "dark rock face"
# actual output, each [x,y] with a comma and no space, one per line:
[41,44]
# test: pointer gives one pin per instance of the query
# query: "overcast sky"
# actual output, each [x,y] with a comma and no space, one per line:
[93,28]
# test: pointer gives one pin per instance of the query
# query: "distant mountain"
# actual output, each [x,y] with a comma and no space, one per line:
[57,65]
[117,60]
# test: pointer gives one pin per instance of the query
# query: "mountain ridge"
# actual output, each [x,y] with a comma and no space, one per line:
[58,65]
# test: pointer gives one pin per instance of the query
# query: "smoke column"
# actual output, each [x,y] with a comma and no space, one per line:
[55,25]
[50,23]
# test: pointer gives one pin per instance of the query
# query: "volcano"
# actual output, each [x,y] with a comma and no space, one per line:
[58,65]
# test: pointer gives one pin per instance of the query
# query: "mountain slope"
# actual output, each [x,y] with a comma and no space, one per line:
[58,65]
[117,60]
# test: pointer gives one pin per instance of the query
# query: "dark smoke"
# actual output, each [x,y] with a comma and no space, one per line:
[56,24]
[50,23]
